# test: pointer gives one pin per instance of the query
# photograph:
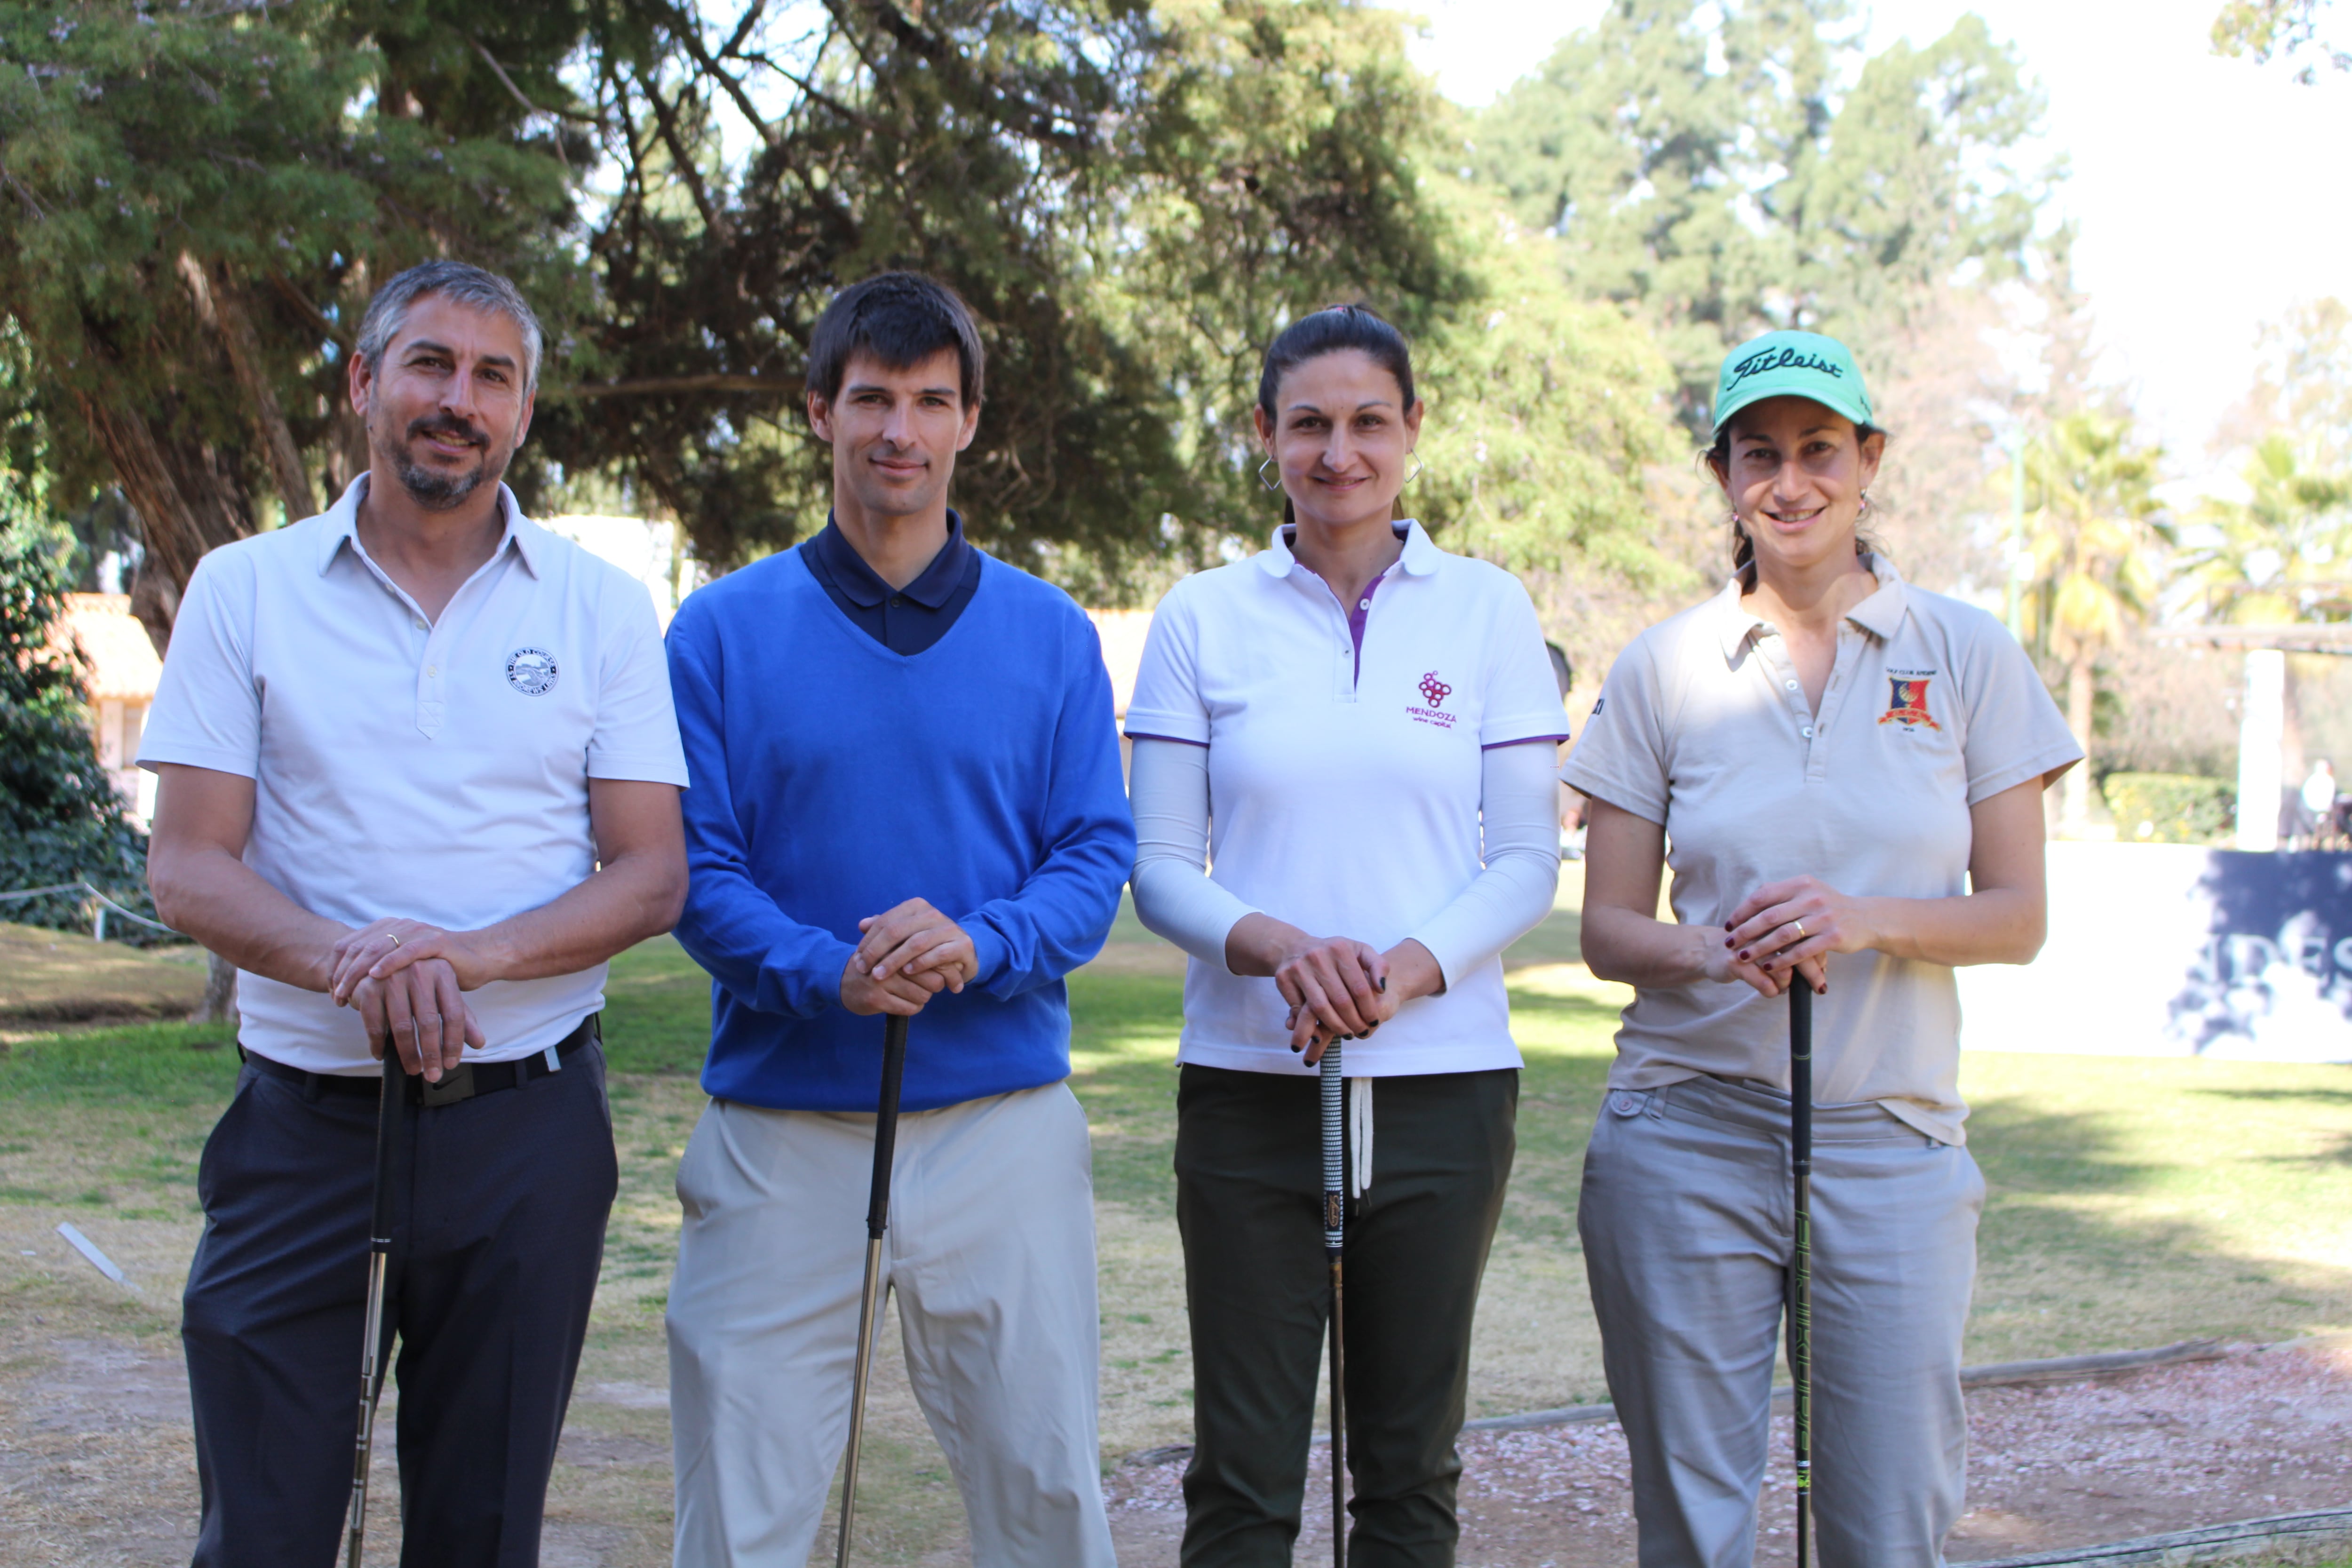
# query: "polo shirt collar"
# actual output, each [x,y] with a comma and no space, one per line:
[861,585]
[1420,558]
[1881,613]
[528,540]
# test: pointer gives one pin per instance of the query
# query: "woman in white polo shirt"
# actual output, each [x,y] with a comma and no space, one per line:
[1846,774]
[1331,718]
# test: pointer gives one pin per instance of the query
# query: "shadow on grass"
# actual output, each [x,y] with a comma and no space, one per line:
[2101,1232]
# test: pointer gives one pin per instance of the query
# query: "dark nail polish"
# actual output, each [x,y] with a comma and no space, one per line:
[1743,955]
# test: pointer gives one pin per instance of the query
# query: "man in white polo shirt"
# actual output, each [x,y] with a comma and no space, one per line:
[419,780]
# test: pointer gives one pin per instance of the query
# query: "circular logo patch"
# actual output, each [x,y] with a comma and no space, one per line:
[532,671]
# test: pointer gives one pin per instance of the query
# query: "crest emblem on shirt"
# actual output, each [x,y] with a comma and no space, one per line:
[1434,690]
[1907,703]
[532,671]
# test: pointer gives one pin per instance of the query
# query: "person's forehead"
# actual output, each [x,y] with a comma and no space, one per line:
[1342,378]
[941,370]
[1786,414]
[469,329]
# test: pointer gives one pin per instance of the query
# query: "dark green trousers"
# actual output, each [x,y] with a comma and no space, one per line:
[1248,1200]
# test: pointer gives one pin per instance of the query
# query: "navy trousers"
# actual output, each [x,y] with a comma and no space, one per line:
[497,1234]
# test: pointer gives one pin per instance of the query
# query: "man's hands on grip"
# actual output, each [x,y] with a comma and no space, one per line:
[907,956]
[406,979]
[421,1011]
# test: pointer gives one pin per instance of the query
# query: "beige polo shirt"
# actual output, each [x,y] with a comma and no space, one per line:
[1702,726]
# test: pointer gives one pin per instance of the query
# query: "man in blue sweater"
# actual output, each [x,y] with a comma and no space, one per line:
[905,799]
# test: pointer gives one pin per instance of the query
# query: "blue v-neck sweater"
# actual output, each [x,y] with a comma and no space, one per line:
[833,779]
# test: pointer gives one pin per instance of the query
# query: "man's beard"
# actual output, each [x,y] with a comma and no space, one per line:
[435,490]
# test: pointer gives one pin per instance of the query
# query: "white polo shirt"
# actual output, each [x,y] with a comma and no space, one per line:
[436,770]
[1703,727]
[1344,774]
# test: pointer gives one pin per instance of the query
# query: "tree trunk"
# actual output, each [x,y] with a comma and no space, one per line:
[220,303]
[2074,815]
[189,500]
[220,1005]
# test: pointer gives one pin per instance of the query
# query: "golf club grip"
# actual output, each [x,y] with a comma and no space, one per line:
[1801,1074]
[885,1124]
[387,1145]
[1335,1151]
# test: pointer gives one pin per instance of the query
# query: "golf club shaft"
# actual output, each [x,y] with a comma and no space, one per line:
[388,1099]
[1800,1282]
[878,1220]
[1335,1232]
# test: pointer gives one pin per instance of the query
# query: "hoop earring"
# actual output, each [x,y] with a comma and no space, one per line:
[1865,507]
[1271,485]
[1419,467]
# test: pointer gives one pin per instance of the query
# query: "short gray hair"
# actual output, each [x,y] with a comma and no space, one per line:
[461,283]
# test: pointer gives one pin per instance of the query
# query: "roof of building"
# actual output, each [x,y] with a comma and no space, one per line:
[122,662]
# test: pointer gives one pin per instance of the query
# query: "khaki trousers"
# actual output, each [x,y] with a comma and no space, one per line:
[1686,1217]
[992,1250]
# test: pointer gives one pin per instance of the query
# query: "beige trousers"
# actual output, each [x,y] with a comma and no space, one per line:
[991,1249]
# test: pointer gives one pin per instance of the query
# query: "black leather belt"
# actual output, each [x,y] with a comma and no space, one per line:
[466,1080]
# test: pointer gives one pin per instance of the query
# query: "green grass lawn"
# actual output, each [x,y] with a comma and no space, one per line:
[2133,1202]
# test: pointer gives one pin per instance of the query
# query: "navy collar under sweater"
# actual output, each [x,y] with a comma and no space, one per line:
[904,620]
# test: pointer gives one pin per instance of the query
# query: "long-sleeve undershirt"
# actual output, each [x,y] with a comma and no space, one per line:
[1176,898]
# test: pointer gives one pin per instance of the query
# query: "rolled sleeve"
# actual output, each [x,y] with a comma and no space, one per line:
[2015,731]
[636,717]
[1622,756]
[1167,703]
[207,709]
[1523,702]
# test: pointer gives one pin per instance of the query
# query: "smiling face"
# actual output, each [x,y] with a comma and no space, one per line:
[447,405]
[1795,475]
[896,433]
[1342,439]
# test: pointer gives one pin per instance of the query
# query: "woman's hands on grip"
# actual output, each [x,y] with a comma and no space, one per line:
[1336,988]
[1787,926]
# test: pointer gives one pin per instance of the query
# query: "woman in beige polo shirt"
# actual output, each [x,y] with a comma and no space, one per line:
[1845,773]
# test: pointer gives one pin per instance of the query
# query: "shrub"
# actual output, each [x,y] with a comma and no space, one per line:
[2170,808]
[61,820]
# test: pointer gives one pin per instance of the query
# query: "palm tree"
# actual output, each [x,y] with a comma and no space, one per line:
[2283,554]
[2094,524]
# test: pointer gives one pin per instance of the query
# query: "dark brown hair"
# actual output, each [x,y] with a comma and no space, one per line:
[901,319]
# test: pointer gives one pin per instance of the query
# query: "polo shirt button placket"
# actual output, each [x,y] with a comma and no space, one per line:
[430,702]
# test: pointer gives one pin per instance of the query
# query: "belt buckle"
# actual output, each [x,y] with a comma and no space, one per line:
[456,1085]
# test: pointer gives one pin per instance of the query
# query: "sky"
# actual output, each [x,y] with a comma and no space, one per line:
[2211,194]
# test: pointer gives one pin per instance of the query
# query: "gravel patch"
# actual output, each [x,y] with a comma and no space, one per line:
[2264,1432]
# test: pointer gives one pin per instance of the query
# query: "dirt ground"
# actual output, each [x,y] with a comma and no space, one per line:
[95,1465]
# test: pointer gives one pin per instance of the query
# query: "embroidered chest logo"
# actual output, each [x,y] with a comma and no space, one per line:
[1907,703]
[1434,693]
[532,671]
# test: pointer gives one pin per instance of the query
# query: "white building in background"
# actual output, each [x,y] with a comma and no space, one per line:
[646,549]
[122,670]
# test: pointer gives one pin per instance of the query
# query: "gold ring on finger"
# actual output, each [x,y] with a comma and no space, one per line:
[1800,929]
[396,937]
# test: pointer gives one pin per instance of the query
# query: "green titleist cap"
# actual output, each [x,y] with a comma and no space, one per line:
[1791,364]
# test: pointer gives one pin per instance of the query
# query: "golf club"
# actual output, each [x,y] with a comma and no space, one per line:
[1801,1271]
[1335,1228]
[878,1220]
[388,1101]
